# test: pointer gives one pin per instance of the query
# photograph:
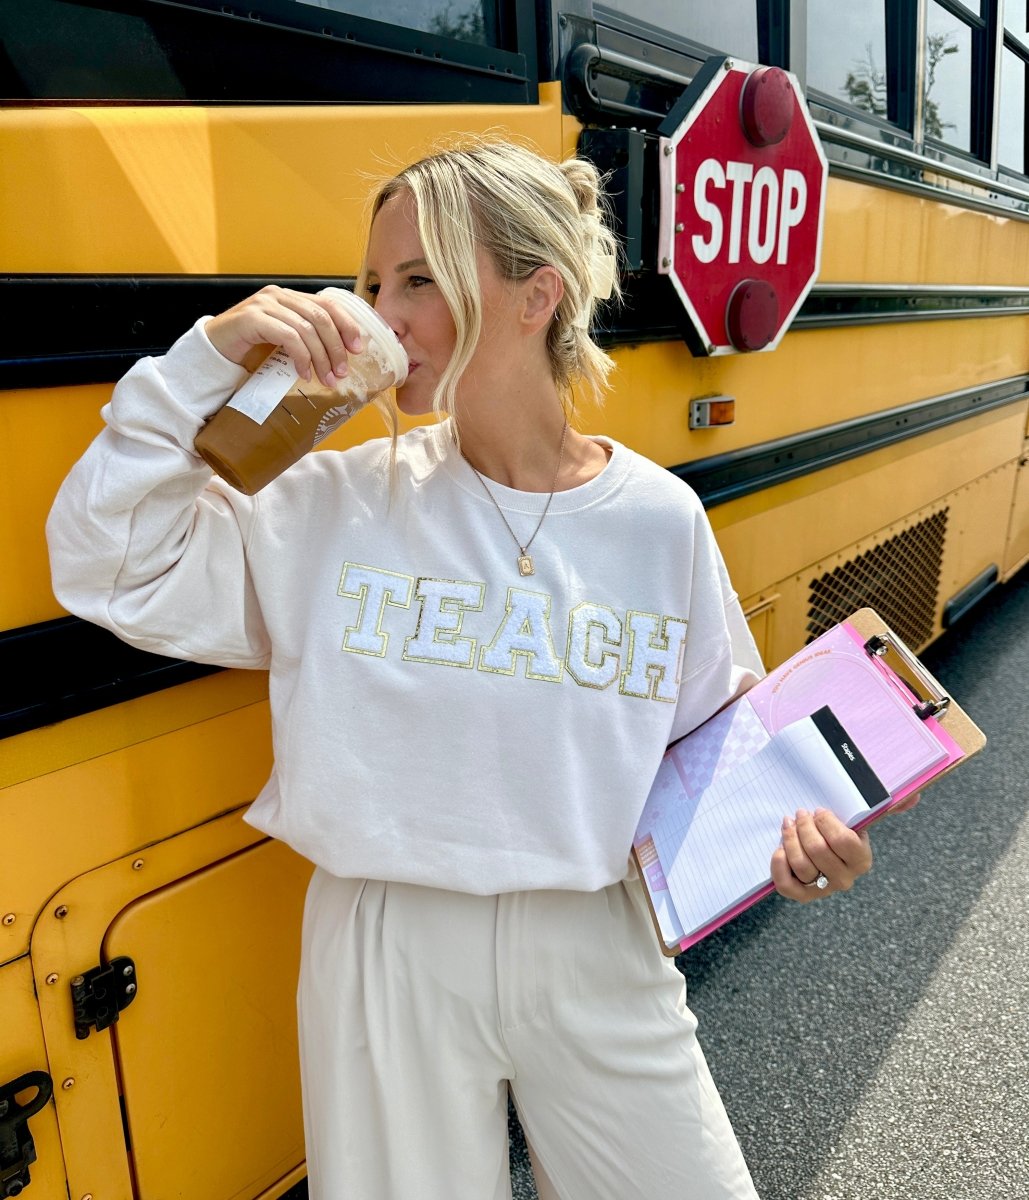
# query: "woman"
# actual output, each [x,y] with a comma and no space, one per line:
[481,637]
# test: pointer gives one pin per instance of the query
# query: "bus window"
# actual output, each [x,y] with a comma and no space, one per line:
[1014,66]
[947,93]
[280,51]
[1016,21]
[846,54]
[466,20]
[1011,145]
[725,26]
[59,50]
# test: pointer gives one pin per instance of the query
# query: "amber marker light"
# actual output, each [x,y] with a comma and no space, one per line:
[711,411]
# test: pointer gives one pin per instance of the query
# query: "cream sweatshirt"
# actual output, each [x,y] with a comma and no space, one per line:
[437,718]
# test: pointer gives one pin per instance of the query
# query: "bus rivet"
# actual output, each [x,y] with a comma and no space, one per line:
[9,918]
[68,1084]
[52,978]
[61,912]
[668,151]
[666,262]
[137,865]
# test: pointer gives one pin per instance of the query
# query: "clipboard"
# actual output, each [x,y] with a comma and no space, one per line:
[895,716]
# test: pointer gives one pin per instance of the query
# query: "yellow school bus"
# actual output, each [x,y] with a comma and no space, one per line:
[159,160]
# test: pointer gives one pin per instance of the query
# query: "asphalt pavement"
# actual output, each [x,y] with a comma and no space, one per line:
[876,1044]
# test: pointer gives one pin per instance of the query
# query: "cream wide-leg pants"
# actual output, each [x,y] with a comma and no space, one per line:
[418,1009]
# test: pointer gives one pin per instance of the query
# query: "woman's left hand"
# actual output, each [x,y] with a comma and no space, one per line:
[815,845]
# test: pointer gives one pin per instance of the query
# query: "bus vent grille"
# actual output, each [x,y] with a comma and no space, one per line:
[899,578]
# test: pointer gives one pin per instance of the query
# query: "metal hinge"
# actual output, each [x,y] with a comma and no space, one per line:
[17,1150]
[99,995]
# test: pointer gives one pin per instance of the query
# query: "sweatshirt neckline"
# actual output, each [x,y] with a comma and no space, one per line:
[511,500]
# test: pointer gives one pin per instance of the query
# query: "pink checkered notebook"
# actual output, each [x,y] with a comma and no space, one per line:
[836,726]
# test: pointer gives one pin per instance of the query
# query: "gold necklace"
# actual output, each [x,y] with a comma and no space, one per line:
[525,563]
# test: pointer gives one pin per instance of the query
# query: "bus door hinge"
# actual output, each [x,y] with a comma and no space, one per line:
[100,994]
[17,1150]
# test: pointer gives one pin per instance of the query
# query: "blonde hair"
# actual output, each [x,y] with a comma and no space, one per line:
[525,212]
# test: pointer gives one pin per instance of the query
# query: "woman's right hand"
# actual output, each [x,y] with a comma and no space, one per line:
[313,330]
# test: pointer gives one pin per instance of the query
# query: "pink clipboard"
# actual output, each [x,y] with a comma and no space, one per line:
[873,684]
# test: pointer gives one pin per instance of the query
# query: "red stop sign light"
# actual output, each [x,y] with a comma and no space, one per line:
[743,180]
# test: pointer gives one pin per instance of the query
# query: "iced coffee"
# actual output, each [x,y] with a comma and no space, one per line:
[276,417]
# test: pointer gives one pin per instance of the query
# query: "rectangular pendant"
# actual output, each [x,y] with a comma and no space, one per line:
[525,566]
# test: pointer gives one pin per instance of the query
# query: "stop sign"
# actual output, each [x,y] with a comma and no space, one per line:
[742,200]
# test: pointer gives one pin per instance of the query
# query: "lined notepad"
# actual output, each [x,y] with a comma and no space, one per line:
[734,766]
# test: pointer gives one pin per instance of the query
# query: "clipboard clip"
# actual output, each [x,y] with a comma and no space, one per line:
[880,644]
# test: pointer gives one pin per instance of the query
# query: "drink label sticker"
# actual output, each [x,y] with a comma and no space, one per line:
[264,389]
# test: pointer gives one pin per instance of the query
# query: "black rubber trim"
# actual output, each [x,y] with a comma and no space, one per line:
[651,309]
[110,321]
[739,473]
[652,312]
[829,306]
[64,668]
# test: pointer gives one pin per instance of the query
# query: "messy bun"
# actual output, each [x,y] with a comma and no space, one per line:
[573,352]
[526,212]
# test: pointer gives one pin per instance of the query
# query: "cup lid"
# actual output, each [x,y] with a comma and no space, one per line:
[374,328]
